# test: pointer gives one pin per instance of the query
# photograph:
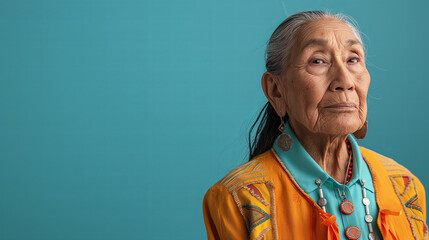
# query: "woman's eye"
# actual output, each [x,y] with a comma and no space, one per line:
[318,61]
[354,60]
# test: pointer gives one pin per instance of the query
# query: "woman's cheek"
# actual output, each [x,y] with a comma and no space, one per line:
[363,80]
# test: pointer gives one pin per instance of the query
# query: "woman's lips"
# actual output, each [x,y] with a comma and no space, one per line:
[342,106]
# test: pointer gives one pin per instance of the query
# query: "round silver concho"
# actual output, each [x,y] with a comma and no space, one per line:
[371,236]
[365,201]
[368,218]
[322,202]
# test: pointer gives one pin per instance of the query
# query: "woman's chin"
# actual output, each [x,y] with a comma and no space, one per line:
[341,128]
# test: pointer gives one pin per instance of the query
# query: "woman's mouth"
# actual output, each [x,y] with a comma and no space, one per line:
[342,106]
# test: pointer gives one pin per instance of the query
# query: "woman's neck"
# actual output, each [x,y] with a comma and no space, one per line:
[329,152]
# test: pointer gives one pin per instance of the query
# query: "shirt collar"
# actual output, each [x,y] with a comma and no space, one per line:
[305,170]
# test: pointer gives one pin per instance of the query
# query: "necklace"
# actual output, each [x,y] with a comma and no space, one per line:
[347,207]
[349,170]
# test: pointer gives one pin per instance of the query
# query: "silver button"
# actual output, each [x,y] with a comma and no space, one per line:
[368,218]
[371,236]
[365,201]
[323,202]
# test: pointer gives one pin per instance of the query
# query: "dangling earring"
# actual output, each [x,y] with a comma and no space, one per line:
[284,141]
[361,133]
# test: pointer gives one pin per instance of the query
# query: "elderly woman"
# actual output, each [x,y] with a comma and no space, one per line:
[307,178]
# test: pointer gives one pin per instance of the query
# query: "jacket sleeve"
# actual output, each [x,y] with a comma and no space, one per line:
[222,217]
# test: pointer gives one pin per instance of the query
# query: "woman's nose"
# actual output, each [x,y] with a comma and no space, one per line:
[341,78]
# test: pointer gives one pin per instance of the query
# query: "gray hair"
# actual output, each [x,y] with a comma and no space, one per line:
[283,38]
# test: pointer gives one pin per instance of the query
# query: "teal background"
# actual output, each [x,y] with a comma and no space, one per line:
[117,116]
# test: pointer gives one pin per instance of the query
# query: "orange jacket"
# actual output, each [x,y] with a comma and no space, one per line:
[260,200]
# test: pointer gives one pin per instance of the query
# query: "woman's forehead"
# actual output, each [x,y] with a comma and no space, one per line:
[325,31]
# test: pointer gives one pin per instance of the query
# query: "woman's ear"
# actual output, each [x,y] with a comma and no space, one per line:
[271,84]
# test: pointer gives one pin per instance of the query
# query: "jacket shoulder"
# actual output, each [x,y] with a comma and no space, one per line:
[250,189]
[253,171]
[391,166]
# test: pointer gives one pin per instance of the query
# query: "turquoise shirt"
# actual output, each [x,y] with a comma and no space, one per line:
[305,171]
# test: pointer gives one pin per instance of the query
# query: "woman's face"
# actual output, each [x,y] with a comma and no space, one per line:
[326,81]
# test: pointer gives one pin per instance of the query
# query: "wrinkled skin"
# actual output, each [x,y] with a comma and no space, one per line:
[323,90]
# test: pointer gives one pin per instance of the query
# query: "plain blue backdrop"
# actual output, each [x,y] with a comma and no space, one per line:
[117,116]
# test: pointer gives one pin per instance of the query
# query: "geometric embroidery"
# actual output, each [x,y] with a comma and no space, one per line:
[406,190]
[406,180]
[402,183]
[420,226]
[248,171]
[255,201]
[256,215]
[255,191]
[414,203]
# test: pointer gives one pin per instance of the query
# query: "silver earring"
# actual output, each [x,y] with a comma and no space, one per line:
[284,141]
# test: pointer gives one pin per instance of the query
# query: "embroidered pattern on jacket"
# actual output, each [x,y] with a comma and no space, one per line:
[256,203]
[243,173]
[256,216]
[405,188]
[254,195]
[414,203]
